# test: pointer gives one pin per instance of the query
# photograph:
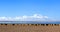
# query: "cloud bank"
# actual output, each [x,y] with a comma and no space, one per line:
[35,17]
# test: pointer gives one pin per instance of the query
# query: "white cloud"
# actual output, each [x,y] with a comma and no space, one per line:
[35,17]
[3,18]
[45,17]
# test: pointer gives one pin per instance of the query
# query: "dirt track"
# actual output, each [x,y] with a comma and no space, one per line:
[28,28]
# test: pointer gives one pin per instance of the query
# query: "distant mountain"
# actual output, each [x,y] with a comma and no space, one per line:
[29,22]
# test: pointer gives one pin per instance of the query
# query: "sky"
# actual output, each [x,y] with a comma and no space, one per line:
[29,9]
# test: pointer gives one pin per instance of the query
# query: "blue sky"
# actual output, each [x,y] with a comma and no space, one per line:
[13,8]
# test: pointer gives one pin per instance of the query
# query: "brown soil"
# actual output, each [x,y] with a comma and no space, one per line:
[28,28]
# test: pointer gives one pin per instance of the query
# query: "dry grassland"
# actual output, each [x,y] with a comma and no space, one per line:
[28,28]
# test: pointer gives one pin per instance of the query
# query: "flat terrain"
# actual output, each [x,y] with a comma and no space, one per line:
[28,28]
